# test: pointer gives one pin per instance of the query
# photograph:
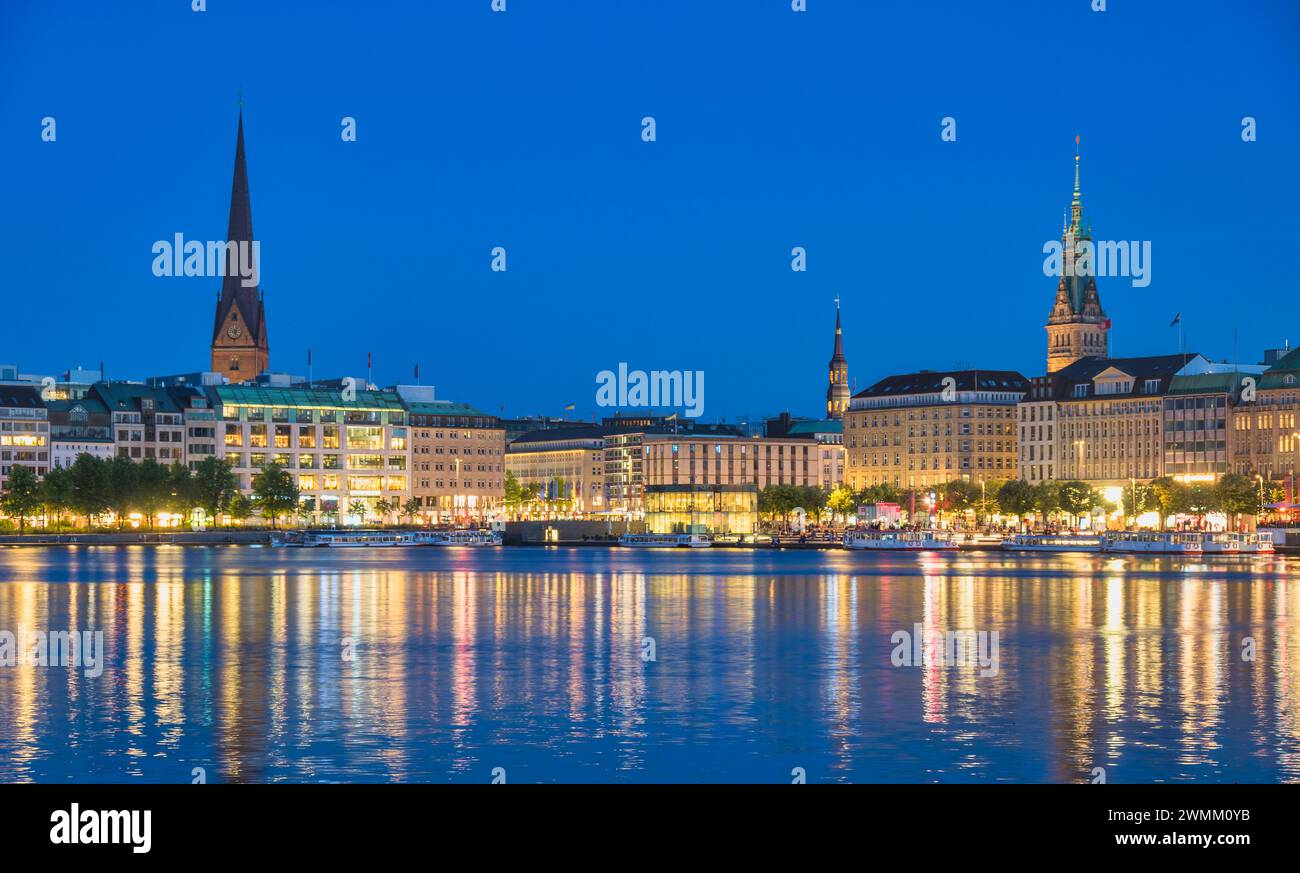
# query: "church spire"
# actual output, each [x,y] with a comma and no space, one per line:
[837,392]
[239,342]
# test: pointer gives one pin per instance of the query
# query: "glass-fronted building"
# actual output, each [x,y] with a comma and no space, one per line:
[709,509]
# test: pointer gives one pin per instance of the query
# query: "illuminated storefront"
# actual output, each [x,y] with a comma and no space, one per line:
[711,509]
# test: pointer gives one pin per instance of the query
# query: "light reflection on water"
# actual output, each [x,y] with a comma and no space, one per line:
[232,659]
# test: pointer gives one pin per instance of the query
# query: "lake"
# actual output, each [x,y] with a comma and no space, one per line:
[615,665]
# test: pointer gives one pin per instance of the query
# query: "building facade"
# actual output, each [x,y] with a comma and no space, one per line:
[24,431]
[1265,426]
[563,464]
[79,427]
[457,458]
[345,454]
[922,429]
[704,460]
[146,422]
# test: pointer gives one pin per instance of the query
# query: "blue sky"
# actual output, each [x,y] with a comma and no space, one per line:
[775,129]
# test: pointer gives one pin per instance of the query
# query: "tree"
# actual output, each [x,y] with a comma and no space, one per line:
[384,506]
[89,478]
[1238,495]
[152,488]
[841,501]
[1047,498]
[1170,496]
[1077,498]
[358,507]
[516,494]
[240,507]
[22,495]
[985,496]
[411,508]
[275,492]
[214,484]
[56,493]
[180,490]
[1139,498]
[1016,497]
[1202,499]
[121,487]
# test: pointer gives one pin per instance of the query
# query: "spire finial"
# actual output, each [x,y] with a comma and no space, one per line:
[1076,168]
[240,94]
[837,303]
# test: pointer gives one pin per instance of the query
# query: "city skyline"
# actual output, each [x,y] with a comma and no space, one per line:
[992,203]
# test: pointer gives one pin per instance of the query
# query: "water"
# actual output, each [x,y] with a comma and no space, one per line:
[235,660]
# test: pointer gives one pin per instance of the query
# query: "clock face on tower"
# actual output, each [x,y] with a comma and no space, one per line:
[234,331]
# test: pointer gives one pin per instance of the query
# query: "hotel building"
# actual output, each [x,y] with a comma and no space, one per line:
[566,463]
[340,451]
[921,429]
[457,457]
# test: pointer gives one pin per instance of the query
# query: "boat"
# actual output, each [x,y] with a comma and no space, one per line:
[905,540]
[664,541]
[361,539]
[1153,543]
[459,538]
[1229,543]
[1053,543]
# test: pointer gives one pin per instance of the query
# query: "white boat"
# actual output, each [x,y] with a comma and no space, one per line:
[1053,543]
[664,541]
[1229,543]
[459,538]
[361,539]
[1153,543]
[905,540]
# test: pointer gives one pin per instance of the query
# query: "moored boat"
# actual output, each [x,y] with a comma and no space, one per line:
[1153,543]
[459,538]
[1231,543]
[1053,543]
[360,539]
[899,540]
[664,541]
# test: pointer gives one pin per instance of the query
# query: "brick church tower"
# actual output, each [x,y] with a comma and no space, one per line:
[240,350]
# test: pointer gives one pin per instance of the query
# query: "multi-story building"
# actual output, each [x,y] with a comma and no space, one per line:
[457,457]
[625,456]
[702,459]
[200,424]
[24,431]
[1266,423]
[927,428]
[346,454]
[1101,420]
[566,464]
[146,421]
[79,427]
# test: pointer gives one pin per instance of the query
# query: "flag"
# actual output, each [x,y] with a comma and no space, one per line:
[309,357]
[672,417]
[417,372]
[569,408]
[368,364]
[1177,318]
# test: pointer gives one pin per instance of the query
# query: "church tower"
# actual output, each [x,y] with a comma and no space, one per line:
[240,350]
[837,393]
[1078,327]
